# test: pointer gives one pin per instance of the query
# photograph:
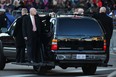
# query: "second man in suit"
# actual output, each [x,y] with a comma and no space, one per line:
[18,35]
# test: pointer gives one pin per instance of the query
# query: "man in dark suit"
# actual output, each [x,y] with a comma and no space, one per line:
[107,23]
[47,36]
[18,35]
[32,34]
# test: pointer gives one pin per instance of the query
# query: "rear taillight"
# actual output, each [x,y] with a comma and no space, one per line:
[54,45]
[104,47]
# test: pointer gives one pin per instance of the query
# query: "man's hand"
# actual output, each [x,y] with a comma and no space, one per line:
[13,37]
[52,14]
[25,38]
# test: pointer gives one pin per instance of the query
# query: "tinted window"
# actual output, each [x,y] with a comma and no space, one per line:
[71,26]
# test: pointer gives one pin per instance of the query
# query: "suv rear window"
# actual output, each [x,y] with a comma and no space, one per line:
[78,26]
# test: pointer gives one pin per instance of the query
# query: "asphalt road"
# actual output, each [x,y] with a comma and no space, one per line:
[12,70]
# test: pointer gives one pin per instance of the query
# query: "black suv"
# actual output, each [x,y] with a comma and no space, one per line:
[74,42]
[79,42]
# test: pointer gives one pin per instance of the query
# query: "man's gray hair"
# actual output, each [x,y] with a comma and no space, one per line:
[102,10]
[25,10]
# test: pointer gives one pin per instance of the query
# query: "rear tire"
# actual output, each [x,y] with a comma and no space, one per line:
[89,69]
[2,57]
[41,69]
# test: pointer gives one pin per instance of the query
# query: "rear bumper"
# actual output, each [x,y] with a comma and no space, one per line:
[80,58]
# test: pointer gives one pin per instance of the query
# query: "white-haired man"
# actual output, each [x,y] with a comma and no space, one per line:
[32,33]
[107,23]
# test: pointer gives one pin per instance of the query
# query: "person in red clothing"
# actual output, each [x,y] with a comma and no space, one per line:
[94,1]
[99,3]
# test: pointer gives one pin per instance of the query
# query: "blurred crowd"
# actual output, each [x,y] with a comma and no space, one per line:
[56,5]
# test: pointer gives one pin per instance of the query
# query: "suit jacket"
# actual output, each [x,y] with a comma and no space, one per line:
[27,26]
[106,22]
[47,31]
[20,42]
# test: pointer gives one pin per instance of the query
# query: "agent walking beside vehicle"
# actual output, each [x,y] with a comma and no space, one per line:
[107,23]
[18,35]
[31,34]
[32,25]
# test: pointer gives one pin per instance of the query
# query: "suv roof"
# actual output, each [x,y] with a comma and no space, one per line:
[72,15]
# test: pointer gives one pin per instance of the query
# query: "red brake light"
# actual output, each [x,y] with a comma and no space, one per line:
[104,45]
[54,44]
[54,47]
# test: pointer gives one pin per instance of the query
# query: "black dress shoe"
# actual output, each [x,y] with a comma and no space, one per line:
[17,61]
[22,61]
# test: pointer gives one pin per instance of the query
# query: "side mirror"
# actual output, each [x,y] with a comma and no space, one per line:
[4,30]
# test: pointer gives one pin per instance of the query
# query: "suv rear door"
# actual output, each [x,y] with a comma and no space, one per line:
[79,34]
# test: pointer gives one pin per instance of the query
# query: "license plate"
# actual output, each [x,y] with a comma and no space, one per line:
[80,56]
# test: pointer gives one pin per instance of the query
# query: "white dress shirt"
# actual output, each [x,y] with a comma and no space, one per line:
[33,23]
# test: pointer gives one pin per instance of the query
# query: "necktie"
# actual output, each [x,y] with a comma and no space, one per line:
[34,25]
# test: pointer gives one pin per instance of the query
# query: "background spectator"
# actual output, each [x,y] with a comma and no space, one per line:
[16,4]
[3,19]
[58,6]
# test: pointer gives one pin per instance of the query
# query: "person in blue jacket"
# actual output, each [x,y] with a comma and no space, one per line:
[10,18]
